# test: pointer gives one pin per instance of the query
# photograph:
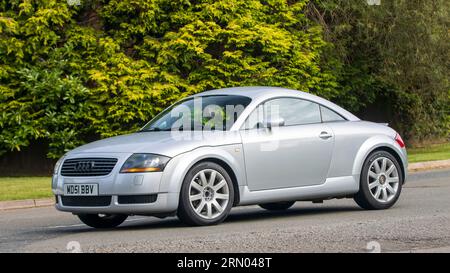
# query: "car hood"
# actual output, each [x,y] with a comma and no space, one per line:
[164,143]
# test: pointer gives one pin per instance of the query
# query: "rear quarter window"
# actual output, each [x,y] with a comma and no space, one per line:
[329,115]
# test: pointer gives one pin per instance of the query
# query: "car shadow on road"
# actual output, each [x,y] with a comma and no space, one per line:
[256,215]
[238,216]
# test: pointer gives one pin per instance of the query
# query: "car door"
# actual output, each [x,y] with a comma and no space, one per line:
[348,138]
[294,154]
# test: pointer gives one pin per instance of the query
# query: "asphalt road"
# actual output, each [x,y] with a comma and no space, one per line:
[420,221]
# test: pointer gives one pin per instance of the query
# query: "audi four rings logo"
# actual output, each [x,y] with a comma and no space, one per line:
[84,166]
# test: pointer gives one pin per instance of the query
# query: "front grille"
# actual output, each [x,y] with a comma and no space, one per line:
[88,166]
[137,199]
[86,201]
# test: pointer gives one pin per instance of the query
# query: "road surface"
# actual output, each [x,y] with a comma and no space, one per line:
[420,221]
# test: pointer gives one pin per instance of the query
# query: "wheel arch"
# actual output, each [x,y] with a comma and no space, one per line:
[225,156]
[230,172]
[382,143]
[394,154]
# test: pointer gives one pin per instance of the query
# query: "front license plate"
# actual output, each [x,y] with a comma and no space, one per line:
[80,189]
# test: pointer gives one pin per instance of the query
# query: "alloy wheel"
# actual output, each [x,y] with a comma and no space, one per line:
[208,194]
[383,179]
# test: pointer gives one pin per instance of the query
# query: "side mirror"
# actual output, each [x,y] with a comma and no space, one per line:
[277,122]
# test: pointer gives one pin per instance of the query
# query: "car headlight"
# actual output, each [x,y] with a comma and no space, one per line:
[58,164]
[139,163]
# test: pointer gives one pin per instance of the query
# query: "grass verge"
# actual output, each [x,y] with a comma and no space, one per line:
[19,188]
[430,153]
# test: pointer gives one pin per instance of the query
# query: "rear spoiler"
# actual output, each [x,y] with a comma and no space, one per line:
[382,123]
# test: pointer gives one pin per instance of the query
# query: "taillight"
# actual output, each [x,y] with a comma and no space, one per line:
[400,141]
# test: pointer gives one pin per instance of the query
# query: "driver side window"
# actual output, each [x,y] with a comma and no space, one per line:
[293,111]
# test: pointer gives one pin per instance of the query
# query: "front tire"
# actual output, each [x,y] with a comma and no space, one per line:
[277,206]
[380,182]
[206,195]
[102,220]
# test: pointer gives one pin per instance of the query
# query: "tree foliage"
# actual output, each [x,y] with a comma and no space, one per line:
[103,68]
[396,53]
[69,74]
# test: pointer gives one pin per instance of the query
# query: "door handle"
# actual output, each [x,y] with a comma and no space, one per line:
[325,135]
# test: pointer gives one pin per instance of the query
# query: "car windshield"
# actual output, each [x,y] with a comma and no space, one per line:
[215,112]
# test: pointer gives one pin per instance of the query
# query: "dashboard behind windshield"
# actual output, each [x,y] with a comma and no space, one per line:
[215,112]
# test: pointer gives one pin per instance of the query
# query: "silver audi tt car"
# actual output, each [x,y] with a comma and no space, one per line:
[233,147]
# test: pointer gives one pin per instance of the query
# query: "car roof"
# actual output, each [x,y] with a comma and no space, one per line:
[266,92]
[253,91]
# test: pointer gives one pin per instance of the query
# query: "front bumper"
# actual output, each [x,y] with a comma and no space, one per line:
[117,184]
[163,204]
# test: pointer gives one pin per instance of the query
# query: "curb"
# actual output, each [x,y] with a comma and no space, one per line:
[429,165]
[24,204]
[35,203]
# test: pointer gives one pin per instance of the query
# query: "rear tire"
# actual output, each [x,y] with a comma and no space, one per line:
[102,220]
[277,206]
[380,182]
[206,196]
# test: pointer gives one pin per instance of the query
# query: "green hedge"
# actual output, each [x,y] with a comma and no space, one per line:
[105,67]
[71,73]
